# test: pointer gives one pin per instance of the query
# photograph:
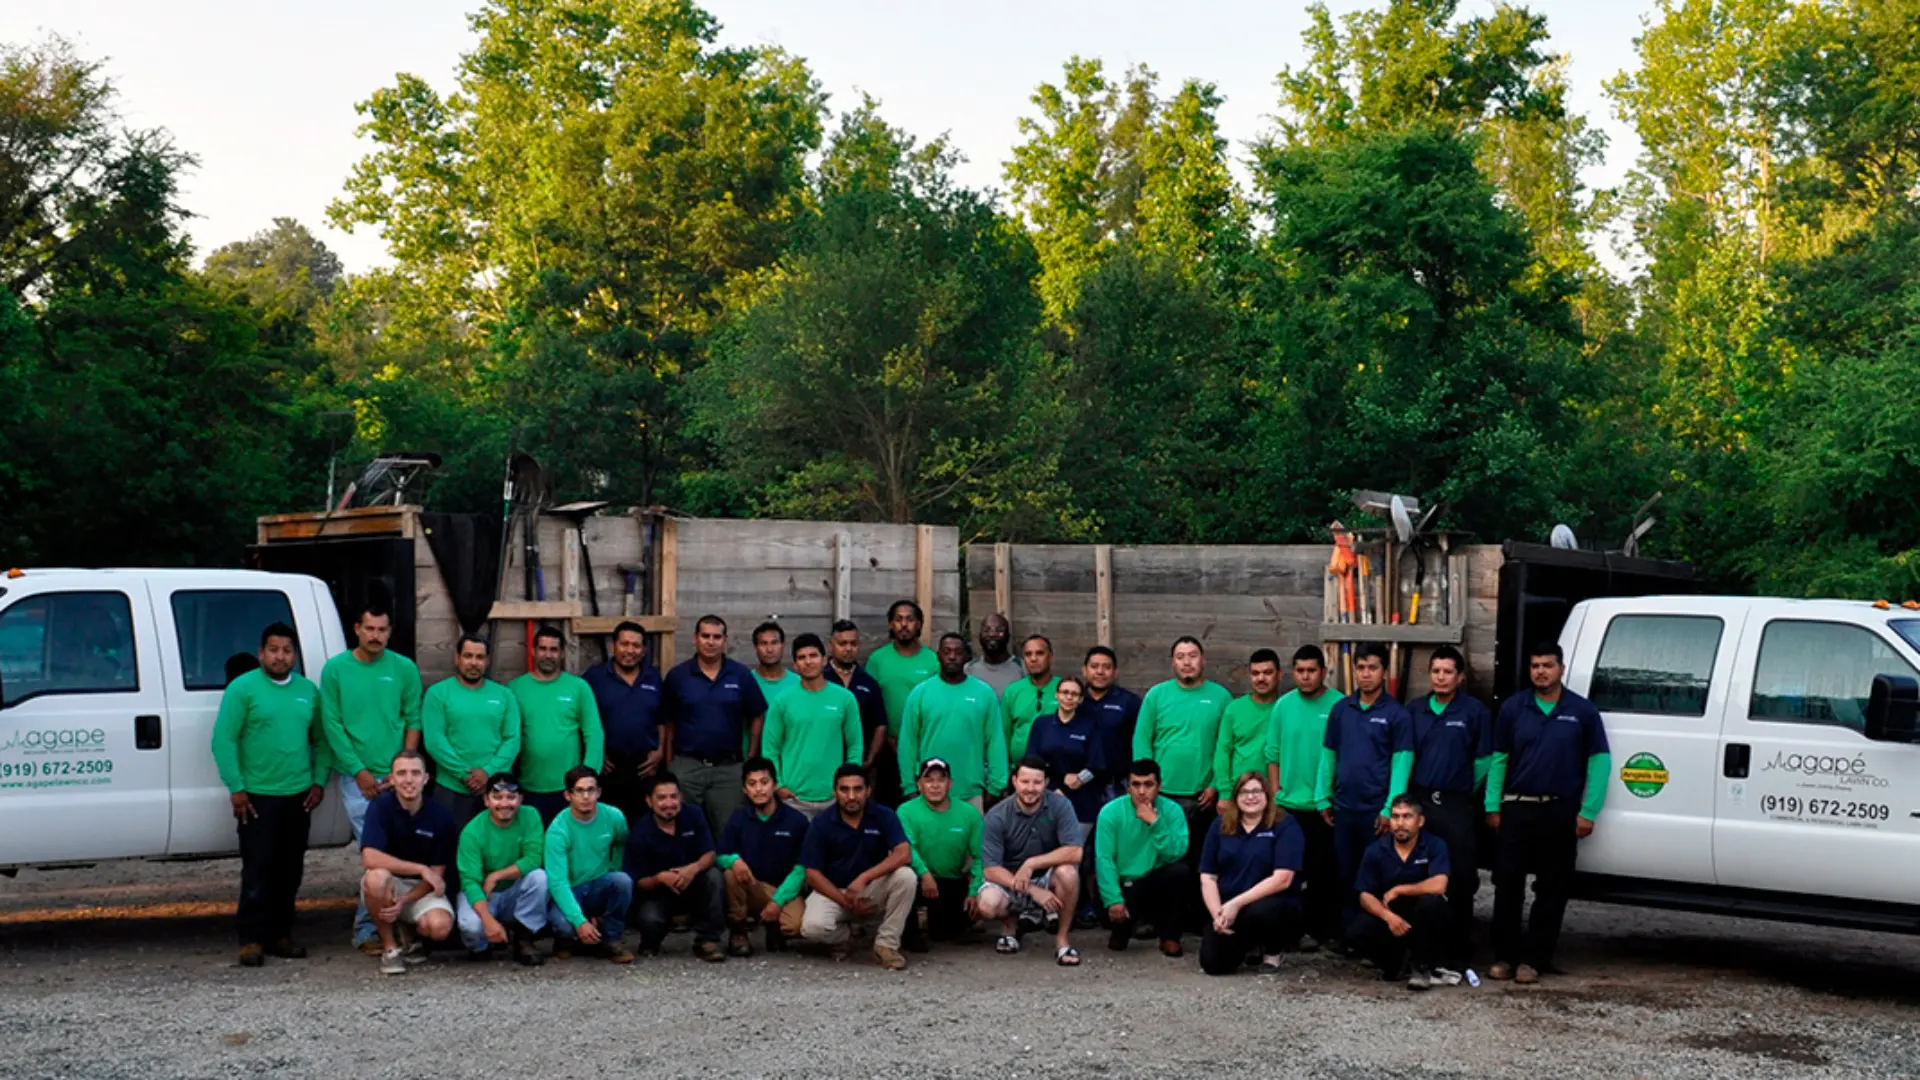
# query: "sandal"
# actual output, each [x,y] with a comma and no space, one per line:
[1067,956]
[1007,945]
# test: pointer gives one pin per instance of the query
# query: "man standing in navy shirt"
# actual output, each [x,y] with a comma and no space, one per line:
[1365,761]
[670,858]
[1545,788]
[1403,903]
[714,711]
[1452,749]
[857,861]
[843,667]
[627,690]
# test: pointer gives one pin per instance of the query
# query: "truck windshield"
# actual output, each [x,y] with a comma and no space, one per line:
[1908,629]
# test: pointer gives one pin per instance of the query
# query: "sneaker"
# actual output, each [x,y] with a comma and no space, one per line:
[415,953]
[1421,979]
[1269,967]
[393,962]
[1446,977]
[889,958]
[252,956]
[739,945]
[1145,931]
[285,949]
[1524,975]
[710,951]
[620,954]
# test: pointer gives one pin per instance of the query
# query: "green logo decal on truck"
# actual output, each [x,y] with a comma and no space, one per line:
[1644,775]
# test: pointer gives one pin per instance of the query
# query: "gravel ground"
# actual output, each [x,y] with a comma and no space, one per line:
[126,970]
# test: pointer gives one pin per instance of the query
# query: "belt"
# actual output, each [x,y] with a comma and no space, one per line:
[729,759]
[1529,798]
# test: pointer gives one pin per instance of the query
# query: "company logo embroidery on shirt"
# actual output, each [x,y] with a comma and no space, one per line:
[1457,723]
[730,686]
[1264,832]
[1376,719]
[871,832]
[783,832]
[1078,738]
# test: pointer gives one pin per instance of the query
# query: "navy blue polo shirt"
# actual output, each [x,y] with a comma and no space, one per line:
[629,712]
[1246,859]
[1381,867]
[1114,715]
[710,716]
[1363,741]
[428,836]
[771,847]
[843,852]
[866,693]
[1067,749]
[1547,752]
[1446,744]
[649,850]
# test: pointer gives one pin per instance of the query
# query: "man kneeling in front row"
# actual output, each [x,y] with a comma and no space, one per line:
[1403,897]
[503,890]
[857,866]
[1031,848]
[406,846]
[760,852]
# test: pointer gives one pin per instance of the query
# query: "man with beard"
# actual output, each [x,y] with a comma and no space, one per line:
[499,859]
[1402,885]
[902,664]
[626,692]
[843,668]
[1031,697]
[857,861]
[559,725]
[956,718]
[1031,847]
[471,726]
[996,665]
[670,858]
[715,710]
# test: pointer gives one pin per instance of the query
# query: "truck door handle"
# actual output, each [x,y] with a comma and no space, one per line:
[1738,760]
[146,733]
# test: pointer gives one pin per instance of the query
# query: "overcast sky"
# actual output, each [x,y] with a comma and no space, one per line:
[262,91]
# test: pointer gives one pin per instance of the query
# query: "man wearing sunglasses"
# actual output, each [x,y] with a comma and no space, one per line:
[499,861]
[590,895]
[1029,698]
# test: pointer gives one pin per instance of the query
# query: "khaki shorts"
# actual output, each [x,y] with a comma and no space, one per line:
[428,903]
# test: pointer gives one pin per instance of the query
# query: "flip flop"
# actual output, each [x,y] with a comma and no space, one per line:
[1067,956]
[1007,945]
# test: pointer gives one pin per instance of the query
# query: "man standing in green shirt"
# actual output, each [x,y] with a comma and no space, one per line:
[1296,735]
[559,725]
[1242,744]
[271,753]
[946,838]
[1179,727]
[590,893]
[370,707]
[769,650]
[899,666]
[1138,863]
[498,861]
[811,731]
[472,729]
[956,718]
[1030,697]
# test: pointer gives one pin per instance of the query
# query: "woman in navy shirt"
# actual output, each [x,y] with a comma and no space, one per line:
[1249,877]
[1070,744]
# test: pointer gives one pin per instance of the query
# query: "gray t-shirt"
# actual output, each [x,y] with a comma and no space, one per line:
[1011,837]
[999,676]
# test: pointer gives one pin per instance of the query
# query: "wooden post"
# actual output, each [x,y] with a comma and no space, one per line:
[842,575]
[1103,593]
[923,579]
[666,576]
[1003,579]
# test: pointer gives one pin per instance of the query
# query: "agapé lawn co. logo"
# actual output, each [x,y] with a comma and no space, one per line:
[56,740]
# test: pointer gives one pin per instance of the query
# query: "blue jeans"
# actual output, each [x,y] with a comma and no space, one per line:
[607,896]
[356,805]
[523,900]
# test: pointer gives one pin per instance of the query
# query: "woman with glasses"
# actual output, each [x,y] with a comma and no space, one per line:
[1249,878]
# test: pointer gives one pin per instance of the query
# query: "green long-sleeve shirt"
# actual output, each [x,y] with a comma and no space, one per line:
[898,676]
[368,709]
[959,722]
[945,843]
[559,729]
[1127,849]
[1242,743]
[267,737]
[1592,800]
[1178,727]
[1399,769]
[579,851]
[469,727]
[1021,704]
[808,735]
[486,847]
[1296,736]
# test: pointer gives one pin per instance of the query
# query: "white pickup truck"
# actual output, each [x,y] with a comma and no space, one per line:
[109,684]
[1757,768]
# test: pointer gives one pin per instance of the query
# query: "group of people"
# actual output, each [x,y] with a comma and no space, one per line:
[924,792]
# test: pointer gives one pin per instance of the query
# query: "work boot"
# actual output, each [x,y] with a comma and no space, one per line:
[1501,970]
[521,945]
[739,945]
[1119,936]
[564,947]
[252,956]
[889,958]
[776,939]
[1421,979]
[1525,975]
[618,953]
[710,952]
[285,949]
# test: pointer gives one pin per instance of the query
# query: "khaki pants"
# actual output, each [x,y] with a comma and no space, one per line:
[892,896]
[746,899]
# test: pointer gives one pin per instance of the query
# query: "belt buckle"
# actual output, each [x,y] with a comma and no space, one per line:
[1436,797]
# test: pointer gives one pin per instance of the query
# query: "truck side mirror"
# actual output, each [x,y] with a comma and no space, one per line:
[1892,708]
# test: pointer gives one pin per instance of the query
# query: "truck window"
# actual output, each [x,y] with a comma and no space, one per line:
[1659,664]
[1820,672]
[67,643]
[217,627]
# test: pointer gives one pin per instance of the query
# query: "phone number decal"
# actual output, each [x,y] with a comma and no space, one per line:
[1794,806]
[10,770]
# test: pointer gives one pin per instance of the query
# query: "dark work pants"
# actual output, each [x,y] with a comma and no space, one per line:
[273,855]
[1269,925]
[623,788]
[947,913]
[1537,839]
[883,777]
[1455,818]
[548,804]
[1200,818]
[465,805]
[1428,917]
[704,901]
[1325,892]
[1353,831]
[1160,898]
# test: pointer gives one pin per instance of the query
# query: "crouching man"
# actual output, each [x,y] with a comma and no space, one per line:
[1403,897]
[406,845]
[857,866]
[589,893]
[499,860]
